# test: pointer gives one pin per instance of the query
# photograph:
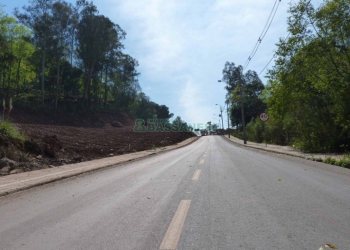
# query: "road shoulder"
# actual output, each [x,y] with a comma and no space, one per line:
[17,182]
[305,159]
[286,150]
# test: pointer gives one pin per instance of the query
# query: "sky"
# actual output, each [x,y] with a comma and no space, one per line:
[182,46]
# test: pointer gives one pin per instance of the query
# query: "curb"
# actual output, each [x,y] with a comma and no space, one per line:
[13,186]
[269,150]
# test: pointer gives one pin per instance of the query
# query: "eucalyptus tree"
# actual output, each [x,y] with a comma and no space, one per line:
[97,37]
[243,93]
[62,16]
[125,86]
[310,90]
[38,17]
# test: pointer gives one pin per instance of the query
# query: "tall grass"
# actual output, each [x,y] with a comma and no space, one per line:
[343,162]
[9,130]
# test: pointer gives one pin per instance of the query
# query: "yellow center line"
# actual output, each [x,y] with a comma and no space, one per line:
[172,236]
[196,175]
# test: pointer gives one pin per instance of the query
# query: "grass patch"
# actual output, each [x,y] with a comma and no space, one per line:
[10,131]
[343,162]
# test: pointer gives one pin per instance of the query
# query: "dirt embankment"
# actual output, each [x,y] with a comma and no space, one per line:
[50,145]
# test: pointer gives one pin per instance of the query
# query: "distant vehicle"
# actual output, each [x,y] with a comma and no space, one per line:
[204,132]
[220,131]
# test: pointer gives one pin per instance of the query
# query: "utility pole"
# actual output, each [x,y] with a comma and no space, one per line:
[228,116]
[242,113]
[228,120]
[222,119]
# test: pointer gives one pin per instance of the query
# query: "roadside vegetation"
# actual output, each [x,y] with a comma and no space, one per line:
[63,58]
[71,90]
[307,96]
[10,131]
[343,162]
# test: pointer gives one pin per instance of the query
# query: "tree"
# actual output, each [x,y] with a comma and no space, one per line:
[309,93]
[179,125]
[62,20]
[71,59]
[98,37]
[37,16]
[16,50]
[243,89]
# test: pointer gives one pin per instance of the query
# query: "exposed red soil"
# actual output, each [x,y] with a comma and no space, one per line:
[54,140]
[74,144]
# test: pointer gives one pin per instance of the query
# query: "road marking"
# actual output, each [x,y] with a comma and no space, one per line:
[196,175]
[201,162]
[172,235]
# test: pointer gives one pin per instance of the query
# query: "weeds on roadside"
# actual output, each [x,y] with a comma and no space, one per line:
[10,131]
[343,162]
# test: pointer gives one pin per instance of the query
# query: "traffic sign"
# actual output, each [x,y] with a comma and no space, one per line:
[264,117]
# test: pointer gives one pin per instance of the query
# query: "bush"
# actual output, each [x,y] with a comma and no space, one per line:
[330,160]
[10,131]
[345,162]
[256,131]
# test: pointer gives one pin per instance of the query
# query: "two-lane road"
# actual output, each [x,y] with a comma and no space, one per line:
[208,195]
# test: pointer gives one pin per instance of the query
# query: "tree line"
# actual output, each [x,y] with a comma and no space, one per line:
[307,96]
[60,57]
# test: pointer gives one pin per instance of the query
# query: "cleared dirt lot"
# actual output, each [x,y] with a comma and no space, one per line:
[76,144]
[54,141]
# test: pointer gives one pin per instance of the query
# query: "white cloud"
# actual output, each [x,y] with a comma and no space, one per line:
[191,101]
[182,46]
[160,37]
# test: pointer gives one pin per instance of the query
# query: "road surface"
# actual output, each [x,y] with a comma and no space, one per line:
[211,194]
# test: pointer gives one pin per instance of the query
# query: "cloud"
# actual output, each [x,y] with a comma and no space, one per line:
[191,102]
[182,46]
[155,24]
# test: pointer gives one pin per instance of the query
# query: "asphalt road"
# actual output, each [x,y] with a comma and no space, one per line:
[209,195]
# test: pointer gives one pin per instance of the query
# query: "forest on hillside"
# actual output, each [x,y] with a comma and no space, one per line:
[56,57]
[307,96]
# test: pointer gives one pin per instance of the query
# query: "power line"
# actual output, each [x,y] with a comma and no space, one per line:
[264,31]
[257,44]
[267,64]
[274,55]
